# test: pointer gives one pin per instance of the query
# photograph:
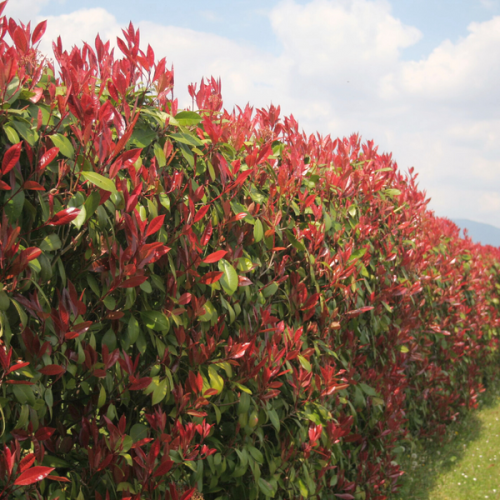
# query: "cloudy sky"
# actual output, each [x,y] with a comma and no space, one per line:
[419,77]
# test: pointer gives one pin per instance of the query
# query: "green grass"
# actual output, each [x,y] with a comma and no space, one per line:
[465,465]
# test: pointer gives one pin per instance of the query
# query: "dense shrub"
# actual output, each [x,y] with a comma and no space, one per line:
[214,301]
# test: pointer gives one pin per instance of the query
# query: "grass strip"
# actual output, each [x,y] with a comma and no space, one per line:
[465,464]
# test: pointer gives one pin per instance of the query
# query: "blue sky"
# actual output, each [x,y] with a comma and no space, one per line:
[420,77]
[247,20]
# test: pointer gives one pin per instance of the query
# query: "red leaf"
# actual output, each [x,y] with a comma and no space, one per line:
[44,433]
[205,238]
[195,413]
[52,370]
[11,157]
[239,350]
[33,475]
[278,249]
[33,186]
[4,186]
[242,281]
[214,257]
[242,176]
[311,302]
[115,315]
[201,213]
[163,468]
[38,32]
[9,457]
[185,299]
[211,277]
[30,253]
[357,312]
[133,282]
[38,95]
[344,496]
[155,225]
[140,384]
[82,327]
[189,493]
[210,392]
[26,462]
[125,137]
[47,158]
[71,335]
[64,217]
[59,478]
[19,37]
[17,366]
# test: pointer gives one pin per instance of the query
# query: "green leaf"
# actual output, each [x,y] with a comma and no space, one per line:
[258,231]
[229,280]
[216,381]
[160,155]
[160,391]
[92,282]
[218,414]
[244,403]
[305,363]
[256,454]
[238,208]
[11,134]
[266,488]
[55,462]
[243,388]
[270,290]
[24,394]
[26,132]
[368,390]
[303,489]
[102,397]
[22,315]
[392,192]
[108,301]
[100,181]
[14,207]
[138,432]
[187,118]
[209,311]
[155,320]
[328,222]
[81,218]
[185,138]
[187,154]
[63,143]
[294,241]
[275,420]
[91,204]
[357,254]
[142,138]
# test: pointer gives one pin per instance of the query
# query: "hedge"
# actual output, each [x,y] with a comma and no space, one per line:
[212,304]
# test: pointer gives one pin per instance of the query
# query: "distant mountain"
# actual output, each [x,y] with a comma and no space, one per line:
[479,232]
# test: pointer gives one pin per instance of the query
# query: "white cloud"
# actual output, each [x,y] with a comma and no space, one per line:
[341,71]
[460,71]
[24,10]
[78,26]
[341,39]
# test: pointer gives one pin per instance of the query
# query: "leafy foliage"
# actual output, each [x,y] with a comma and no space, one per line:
[213,302]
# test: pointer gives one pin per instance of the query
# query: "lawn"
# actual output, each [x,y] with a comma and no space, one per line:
[466,465]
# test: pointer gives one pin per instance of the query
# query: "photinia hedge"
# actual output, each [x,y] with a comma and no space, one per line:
[211,304]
